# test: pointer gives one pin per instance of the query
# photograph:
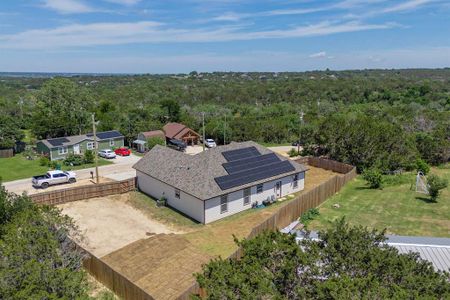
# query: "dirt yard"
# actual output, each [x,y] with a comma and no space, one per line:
[110,223]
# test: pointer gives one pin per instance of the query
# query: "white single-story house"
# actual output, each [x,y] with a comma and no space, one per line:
[218,182]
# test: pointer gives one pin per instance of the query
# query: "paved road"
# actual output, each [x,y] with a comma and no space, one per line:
[119,170]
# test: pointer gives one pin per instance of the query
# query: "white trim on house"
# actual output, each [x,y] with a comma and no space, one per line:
[63,150]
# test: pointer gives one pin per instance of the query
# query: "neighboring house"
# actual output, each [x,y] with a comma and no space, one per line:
[59,148]
[181,132]
[141,141]
[219,182]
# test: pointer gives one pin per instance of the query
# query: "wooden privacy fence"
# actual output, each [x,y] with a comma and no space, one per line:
[5,153]
[295,208]
[84,192]
[119,284]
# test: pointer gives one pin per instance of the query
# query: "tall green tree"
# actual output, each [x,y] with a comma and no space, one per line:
[62,109]
[345,263]
[10,132]
[37,258]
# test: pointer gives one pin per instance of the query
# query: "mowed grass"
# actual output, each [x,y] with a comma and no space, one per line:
[18,167]
[397,207]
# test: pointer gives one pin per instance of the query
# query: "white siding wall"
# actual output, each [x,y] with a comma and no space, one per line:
[187,204]
[236,199]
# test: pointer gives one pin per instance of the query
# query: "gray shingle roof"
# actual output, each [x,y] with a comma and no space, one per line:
[194,174]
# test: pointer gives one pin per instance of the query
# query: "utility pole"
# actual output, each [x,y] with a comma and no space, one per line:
[95,148]
[300,132]
[203,126]
[224,128]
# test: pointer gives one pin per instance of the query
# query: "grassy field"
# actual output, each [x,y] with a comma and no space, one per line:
[396,207]
[18,167]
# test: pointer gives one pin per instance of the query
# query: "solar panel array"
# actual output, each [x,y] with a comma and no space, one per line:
[248,165]
[58,141]
[255,174]
[107,134]
[241,153]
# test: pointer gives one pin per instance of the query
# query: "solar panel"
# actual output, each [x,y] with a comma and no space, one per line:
[107,134]
[255,174]
[250,163]
[57,141]
[240,153]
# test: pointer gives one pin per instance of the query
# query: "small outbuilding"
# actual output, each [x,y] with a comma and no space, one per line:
[141,142]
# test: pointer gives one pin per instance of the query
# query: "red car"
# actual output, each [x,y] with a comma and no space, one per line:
[122,151]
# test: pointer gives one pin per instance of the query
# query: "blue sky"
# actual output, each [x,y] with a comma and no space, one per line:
[171,36]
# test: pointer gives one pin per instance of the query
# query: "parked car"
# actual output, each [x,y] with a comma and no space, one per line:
[210,143]
[296,143]
[177,145]
[52,178]
[107,153]
[122,151]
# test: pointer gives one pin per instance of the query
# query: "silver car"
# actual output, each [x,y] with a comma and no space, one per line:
[107,153]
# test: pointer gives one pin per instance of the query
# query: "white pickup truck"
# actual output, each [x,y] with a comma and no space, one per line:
[52,178]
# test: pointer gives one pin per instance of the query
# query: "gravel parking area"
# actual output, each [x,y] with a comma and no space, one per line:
[110,223]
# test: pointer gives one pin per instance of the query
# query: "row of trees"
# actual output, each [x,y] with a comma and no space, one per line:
[372,118]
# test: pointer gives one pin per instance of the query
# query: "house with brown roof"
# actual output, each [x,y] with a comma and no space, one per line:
[181,132]
[219,182]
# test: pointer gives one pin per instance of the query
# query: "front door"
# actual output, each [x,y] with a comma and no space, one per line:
[76,149]
[278,189]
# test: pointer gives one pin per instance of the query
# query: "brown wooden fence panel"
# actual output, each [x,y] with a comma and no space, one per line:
[5,153]
[84,192]
[115,281]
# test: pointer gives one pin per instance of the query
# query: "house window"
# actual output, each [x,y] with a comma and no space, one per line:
[247,193]
[90,146]
[177,193]
[111,142]
[259,188]
[223,204]
[295,181]
[63,150]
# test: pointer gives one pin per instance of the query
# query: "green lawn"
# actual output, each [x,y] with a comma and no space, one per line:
[396,207]
[18,167]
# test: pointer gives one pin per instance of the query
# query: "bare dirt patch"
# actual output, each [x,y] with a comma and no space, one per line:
[109,223]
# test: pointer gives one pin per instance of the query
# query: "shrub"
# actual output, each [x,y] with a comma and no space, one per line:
[53,165]
[153,141]
[293,152]
[44,161]
[161,201]
[73,160]
[309,215]
[88,157]
[435,185]
[373,177]
[422,166]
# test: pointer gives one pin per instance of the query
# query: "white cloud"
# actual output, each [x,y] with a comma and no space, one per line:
[68,6]
[97,34]
[408,5]
[320,54]
[124,2]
